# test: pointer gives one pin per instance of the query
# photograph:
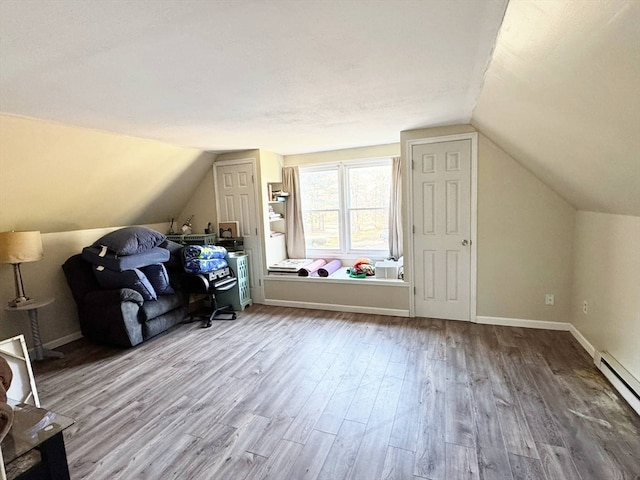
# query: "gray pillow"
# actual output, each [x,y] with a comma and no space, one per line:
[158,278]
[131,240]
[133,279]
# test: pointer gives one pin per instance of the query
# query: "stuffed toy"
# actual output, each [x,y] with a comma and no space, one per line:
[6,412]
[361,268]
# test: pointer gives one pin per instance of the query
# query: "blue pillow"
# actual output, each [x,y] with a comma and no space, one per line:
[133,279]
[130,240]
[158,278]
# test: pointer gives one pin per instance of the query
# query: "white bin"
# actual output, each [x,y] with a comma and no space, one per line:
[387,269]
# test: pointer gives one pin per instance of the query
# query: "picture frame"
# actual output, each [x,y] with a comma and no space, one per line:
[229,229]
[23,386]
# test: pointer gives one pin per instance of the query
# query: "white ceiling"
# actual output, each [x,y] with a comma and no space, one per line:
[562,96]
[288,76]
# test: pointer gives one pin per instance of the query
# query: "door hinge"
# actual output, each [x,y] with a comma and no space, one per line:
[256,231]
[414,290]
[414,228]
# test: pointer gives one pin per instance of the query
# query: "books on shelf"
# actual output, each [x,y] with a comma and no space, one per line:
[273,215]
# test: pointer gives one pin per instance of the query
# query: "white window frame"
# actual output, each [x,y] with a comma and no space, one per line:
[344,217]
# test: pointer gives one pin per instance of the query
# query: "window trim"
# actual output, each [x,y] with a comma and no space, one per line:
[344,217]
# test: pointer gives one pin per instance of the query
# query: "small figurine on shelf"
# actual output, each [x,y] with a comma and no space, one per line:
[186,226]
[171,232]
[208,230]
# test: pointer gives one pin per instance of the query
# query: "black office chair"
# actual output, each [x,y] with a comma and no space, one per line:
[209,284]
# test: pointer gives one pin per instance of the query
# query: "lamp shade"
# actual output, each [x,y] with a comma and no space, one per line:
[20,247]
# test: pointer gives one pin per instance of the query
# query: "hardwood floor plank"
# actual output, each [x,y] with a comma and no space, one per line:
[337,407]
[525,468]
[430,451]
[342,455]
[204,457]
[268,437]
[540,419]
[461,463]
[367,391]
[556,462]
[456,365]
[373,448]
[278,465]
[459,422]
[313,456]
[236,461]
[493,462]
[404,433]
[398,464]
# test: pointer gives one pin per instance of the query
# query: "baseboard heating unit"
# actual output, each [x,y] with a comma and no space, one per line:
[620,378]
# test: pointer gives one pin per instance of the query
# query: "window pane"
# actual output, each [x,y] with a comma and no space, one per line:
[369,229]
[320,190]
[321,230]
[369,187]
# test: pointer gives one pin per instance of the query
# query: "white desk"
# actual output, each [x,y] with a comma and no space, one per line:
[32,309]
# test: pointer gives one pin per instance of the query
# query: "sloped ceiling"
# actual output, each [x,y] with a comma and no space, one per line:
[561,93]
[562,96]
[283,75]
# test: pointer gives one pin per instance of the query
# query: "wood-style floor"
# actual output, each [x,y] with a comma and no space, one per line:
[302,394]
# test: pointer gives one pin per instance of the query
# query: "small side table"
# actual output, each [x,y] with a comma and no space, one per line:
[32,309]
[36,429]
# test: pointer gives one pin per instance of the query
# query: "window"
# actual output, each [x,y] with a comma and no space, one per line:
[345,208]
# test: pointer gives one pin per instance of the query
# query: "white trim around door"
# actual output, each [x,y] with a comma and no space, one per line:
[473,137]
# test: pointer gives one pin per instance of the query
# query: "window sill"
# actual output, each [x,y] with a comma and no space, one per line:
[341,277]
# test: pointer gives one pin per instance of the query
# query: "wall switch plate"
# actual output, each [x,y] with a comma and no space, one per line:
[549,299]
[585,307]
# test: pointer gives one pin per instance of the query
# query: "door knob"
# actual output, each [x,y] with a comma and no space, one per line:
[465,243]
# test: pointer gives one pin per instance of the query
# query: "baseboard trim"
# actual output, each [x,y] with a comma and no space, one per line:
[583,341]
[58,342]
[338,308]
[521,322]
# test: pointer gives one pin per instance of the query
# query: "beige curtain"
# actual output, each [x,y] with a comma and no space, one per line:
[293,213]
[395,209]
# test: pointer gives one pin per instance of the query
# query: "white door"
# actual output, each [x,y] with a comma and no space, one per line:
[237,201]
[442,223]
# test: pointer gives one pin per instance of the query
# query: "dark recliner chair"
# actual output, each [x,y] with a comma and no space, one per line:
[119,317]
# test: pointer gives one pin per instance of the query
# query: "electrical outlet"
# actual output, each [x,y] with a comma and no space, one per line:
[585,307]
[549,299]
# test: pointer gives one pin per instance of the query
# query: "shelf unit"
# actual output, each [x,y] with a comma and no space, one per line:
[239,296]
[276,234]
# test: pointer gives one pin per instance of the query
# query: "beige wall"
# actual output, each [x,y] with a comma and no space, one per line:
[202,205]
[363,294]
[607,276]
[525,240]
[59,178]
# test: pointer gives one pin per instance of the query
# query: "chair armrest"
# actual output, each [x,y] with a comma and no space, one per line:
[111,316]
[195,283]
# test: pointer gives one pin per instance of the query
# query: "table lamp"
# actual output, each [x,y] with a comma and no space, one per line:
[17,248]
